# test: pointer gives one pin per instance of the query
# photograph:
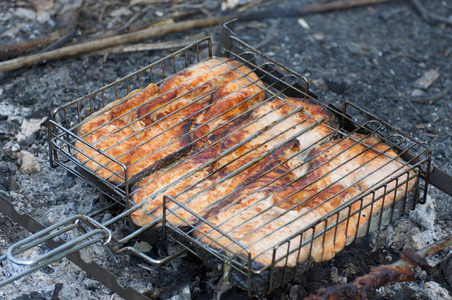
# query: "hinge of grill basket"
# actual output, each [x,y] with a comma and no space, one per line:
[225,35]
[92,269]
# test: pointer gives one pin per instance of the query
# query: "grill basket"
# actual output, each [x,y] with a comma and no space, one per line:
[289,256]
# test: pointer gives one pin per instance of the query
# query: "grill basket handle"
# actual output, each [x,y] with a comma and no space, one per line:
[97,234]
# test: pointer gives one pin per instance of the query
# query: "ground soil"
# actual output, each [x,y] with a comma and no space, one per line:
[370,56]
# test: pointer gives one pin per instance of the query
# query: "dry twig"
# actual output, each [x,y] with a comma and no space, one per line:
[148,46]
[104,43]
[290,12]
[428,16]
[399,271]
[435,98]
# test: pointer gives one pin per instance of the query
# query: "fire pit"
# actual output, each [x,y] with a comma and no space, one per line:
[111,214]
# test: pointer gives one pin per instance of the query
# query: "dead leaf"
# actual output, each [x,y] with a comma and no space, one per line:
[303,23]
[427,79]
[41,5]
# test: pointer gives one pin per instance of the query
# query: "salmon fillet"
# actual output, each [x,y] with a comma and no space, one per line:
[226,164]
[108,131]
[151,128]
[284,213]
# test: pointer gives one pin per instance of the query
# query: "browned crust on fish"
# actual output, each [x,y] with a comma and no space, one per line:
[262,219]
[152,129]
[112,122]
[200,189]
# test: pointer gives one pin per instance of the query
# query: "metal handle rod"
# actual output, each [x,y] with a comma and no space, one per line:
[92,269]
[45,235]
[148,258]
[44,263]
[58,252]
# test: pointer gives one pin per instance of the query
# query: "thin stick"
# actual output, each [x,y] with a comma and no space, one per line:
[399,271]
[312,9]
[147,47]
[20,48]
[429,16]
[435,98]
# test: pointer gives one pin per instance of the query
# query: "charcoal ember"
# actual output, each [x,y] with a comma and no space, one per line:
[7,171]
[336,278]
[8,110]
[91,284]
[9,129]
[181,292]
[336,87]
[433,290]
[260,282]
[68,181]
[4,132]
[298,292]
[73,291]
[441,150]
[425,215]
[406,293]
[31,296]
[235,293]
[357,260]
[446,268]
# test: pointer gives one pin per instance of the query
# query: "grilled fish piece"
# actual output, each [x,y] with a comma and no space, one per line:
[338,172]
[207,177]
[176,129]
[342,170]
[304,119]
[150,129]
[108,131]
[230,213]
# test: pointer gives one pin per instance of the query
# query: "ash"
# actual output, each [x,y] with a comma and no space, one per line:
[371,56]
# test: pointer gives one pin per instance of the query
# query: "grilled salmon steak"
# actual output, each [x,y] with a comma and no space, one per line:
[295,212]
[153,127]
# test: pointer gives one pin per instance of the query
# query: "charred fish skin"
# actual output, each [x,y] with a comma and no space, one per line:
[271,174]
[168,159]
[272,169]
